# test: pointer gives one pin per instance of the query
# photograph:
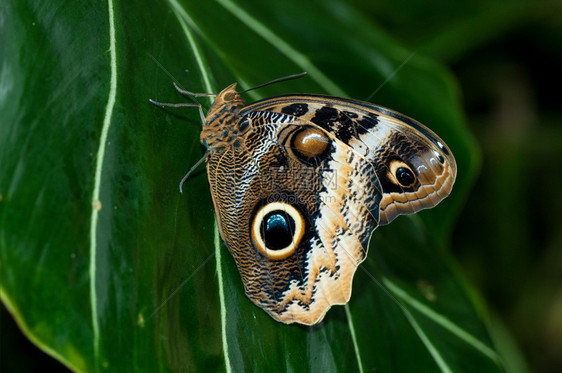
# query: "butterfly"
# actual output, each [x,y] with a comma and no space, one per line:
[299,183]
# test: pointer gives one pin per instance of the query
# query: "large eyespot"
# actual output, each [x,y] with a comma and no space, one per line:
[401,174]
[309,143]
[277,230]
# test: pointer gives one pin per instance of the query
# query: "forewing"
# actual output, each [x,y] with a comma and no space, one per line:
[393,145]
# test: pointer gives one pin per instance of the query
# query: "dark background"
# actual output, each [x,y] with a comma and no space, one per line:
[507,57]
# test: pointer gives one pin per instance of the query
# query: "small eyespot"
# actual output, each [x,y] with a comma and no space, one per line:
[401,174]
[277,230]
[309,143]
[405,176]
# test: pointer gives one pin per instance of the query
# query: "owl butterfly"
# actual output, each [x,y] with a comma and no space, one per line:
[299,183]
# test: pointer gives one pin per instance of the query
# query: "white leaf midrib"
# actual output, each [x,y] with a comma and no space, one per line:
[98,176]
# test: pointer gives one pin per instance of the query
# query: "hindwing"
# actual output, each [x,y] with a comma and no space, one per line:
[334,204]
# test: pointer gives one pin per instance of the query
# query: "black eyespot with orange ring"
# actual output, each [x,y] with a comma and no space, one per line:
[277,230]
[401,174]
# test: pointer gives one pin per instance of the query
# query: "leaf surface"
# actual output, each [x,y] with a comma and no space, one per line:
[108,268]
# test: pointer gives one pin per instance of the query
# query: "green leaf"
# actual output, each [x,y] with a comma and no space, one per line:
[107,267]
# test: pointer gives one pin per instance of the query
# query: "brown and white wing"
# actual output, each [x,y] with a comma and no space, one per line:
[296,209]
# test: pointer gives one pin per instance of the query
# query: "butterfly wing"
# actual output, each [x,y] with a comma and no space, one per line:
[297,223]
[414,167]
[299,194]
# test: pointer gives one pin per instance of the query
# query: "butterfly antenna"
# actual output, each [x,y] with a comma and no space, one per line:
[278,80]
[193,169]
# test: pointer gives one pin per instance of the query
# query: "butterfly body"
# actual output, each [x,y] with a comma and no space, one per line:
[299,183]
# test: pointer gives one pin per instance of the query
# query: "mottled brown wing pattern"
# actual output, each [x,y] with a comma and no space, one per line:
[263,171]
[300,182]
[387,140]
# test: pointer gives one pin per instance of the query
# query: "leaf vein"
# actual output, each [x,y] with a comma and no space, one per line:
[291,53]
[351,326]
[98,175]
[441,320]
